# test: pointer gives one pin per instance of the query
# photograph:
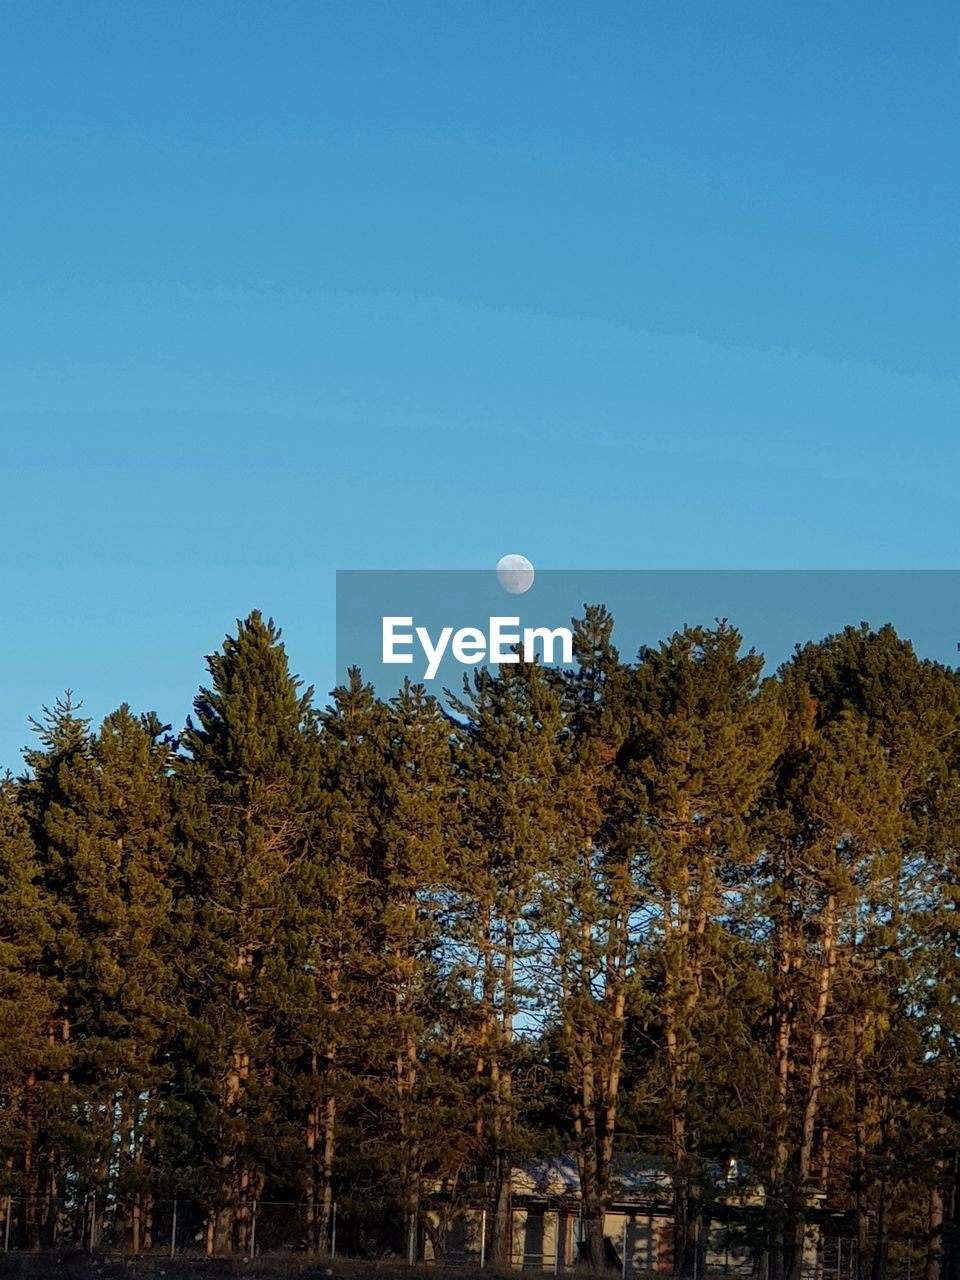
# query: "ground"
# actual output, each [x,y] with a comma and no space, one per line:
[77,1265]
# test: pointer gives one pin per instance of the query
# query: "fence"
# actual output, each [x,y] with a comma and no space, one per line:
[839,1260]
[144,1226]
[174,1228]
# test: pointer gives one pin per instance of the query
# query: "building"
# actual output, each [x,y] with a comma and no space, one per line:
[547,1227]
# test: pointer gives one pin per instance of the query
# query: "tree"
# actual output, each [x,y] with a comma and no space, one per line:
[342,887]
[590,905]
[509,752]
[247,796]
[704,738]
[420,822]
[860,810]
[55,1138]
[28,996]
[109,833]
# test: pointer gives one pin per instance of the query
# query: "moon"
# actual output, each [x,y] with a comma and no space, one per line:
[515,574]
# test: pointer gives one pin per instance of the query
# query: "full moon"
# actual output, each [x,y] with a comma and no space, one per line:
[515,574]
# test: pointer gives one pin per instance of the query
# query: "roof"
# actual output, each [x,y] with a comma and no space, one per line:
[633,1179]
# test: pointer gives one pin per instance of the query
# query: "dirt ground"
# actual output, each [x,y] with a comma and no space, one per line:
[78,1265]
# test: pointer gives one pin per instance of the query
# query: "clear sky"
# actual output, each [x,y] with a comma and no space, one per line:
[290,287]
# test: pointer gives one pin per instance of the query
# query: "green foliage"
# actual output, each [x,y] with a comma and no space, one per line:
[28,994]
[365,952]
[246,794]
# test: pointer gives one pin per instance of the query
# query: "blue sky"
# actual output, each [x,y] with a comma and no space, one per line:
[294,287]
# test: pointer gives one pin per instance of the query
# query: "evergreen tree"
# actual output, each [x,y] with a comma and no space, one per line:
[110,832]
[388,948]
[591,908]
[420,827]
[703,741]
[511,726]
[28,997]
[246,796]
[343,887]
[57,1139]
[858,798]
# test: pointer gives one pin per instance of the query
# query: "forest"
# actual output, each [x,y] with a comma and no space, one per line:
[348,954]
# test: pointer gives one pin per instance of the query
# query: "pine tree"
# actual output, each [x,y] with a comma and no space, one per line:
[703,740]
[590,908]
[28,997]
[355,955]
[57,1139]
[420,825]
[857,798]
[389,843]
[111,833]
[343,887]
[246,796]
[509,753]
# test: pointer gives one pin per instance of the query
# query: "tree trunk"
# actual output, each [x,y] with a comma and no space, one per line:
[878,1269]
[407,1072]
[860,1143]
[31,1222]
[326,1171]
[598,1045]
[694,1261]
[501,1241]
[818,1056]
[501,1248]
[934,1234]
[784,1019]
[311,1133]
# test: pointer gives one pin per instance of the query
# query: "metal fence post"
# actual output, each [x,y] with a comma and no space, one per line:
[173,1232]
[483,1238]
[623,1260]
[253,1229]
[333,1232]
